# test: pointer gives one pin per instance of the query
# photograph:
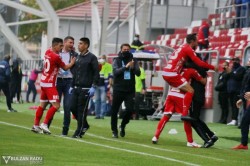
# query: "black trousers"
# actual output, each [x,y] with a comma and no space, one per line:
[245,122]
[224,105]
[199,126]
[6,90]
[79,108]
[233,97]
[118,98]
[31,88]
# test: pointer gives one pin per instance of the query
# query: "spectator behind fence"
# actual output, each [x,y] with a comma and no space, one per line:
[234,82]
[245,10]
[4,81]
[31,85]
[104,84]
[203,35]
[125,67]
[223,97]
[137,44]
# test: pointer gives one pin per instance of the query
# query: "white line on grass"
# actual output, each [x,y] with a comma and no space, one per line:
[147,146]
[110,147]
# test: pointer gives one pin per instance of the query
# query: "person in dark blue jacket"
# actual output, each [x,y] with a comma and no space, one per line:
[4,81]
[234,82]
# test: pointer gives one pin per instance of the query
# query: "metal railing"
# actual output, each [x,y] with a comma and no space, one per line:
[241,16]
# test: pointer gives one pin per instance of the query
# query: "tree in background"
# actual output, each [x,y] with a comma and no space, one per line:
[33,32]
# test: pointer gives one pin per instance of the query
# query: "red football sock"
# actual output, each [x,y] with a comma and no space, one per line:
[39,114]
[161,125]
[187,102]
[188,130]
[52,110]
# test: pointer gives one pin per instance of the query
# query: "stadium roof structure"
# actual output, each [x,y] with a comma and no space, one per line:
[84,9]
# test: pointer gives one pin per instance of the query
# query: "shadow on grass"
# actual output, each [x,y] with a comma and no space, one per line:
[232,138]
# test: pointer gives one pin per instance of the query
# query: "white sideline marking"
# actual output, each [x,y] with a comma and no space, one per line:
[110,147]
[147,146]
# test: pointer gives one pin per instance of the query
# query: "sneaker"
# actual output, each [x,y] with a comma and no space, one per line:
[45,128]
[84,131]
[208,144]
[214,138]
[36,129]
[154,140]
[115,135]
[11,110]
[232,123]
[193,145]
[122,131]
[240,147]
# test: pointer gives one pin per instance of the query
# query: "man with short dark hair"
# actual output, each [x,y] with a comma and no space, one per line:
[64,81]
[4,81]
[125,67]
[49,94]
[85,80]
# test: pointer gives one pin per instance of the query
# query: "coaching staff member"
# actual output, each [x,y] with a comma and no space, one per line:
[85,80]
[125,67]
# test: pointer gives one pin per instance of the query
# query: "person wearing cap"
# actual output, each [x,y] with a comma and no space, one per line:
[234,82]
[4,81]
[136,44]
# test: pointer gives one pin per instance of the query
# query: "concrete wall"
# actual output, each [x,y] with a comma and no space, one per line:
[76,30]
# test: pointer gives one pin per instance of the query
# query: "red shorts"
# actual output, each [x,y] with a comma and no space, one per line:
[173,104]
[176,81]
[49,94]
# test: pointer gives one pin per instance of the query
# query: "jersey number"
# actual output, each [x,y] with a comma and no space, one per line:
[46,65]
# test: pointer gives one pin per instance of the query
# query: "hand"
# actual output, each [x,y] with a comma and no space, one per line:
[247,95]
[91,92]
[143,91]
[216,69]
[71,90]
[238,103]
[72,60]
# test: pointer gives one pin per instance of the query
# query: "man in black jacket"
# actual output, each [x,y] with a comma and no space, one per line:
[223,98]
[125,67]
[85,80]
[197,103]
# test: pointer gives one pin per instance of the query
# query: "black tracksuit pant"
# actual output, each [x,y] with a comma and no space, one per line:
[199,126]
[118,98]
[79,108]
[224,105]
[6,90]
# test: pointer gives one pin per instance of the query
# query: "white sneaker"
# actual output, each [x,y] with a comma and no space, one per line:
[232,123]
[36,129]
[154,140]
[193,144]
[45,128]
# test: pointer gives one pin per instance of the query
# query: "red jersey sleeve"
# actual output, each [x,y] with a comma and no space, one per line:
[190,73]
[191,54]
[59,61]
